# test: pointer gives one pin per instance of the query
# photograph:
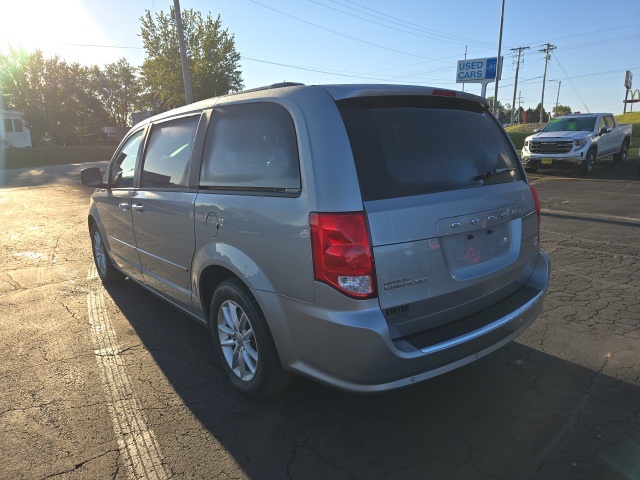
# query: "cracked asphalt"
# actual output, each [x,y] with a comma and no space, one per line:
[562,401]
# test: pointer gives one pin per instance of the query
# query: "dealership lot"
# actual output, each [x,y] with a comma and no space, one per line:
[113,384]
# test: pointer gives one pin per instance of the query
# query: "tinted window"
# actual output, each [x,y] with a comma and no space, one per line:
[166,161]
[251,146]
[414,145]
[571,124]
[124,168]
[17,125]
[8,125]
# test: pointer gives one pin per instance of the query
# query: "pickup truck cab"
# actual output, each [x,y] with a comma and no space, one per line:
[577,140]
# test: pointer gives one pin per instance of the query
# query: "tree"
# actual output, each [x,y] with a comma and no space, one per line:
[561,110]
[213,59]
[119,90]
[57,98]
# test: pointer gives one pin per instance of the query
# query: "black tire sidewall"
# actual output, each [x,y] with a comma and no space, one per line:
[231,290]
[590,160]
[109,273]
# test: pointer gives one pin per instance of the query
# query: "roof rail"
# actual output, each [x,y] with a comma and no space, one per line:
[275,85]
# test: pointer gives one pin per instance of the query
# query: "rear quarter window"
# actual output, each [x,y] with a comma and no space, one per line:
[251,147]
[406,146]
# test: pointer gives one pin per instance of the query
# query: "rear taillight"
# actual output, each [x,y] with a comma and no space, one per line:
[342,255]
[536,202]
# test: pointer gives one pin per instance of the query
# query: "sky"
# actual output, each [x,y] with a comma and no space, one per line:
[371,41]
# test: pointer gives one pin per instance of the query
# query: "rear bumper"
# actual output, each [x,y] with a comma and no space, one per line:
[348,346]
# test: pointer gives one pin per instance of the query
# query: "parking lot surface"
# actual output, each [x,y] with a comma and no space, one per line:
[112,383]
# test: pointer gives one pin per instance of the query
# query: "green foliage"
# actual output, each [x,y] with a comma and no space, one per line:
[213,59]
[561,110]
[58,99]
[119,89]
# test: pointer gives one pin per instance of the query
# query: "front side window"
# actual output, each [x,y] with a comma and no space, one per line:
[124,168]
[601,123]
[17,125]
[166,161]
[8,125]
[405,146]
[251,146]
[609,121]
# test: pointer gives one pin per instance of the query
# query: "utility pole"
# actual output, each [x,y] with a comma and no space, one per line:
[186,76]
[498,62]
[548,48]
[515,87]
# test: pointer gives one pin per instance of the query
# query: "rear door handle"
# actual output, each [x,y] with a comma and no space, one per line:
[124,206]
[139,207]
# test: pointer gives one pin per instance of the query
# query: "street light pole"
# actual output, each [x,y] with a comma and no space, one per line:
[558,96]
[499,64]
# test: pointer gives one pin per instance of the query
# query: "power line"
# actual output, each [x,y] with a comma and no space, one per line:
[446,37]
[572,85]
[341,34]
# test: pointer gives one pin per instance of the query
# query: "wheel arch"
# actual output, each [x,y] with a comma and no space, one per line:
[209,279]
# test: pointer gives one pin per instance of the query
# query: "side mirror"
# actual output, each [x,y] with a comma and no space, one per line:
[537,130]
[91,177]
[604,130]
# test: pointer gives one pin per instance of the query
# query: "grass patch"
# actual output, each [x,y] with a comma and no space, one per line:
[634,119]
[11,158]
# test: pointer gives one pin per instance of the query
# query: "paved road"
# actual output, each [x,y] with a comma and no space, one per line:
[113,384]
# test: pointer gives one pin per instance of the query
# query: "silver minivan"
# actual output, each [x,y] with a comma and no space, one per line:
[365,236]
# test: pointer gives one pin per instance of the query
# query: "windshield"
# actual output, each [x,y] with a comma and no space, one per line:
[571,124]
[406,146]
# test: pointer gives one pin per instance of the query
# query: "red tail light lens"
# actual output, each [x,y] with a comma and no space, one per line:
[342,254]
[536,201]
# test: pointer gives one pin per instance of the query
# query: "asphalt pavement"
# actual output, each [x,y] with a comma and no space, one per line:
[112,383]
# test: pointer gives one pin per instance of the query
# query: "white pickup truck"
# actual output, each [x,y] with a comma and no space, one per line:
[577,140]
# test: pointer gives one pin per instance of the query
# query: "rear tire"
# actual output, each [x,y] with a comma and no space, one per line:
[107,272]
[243,342]
[621,156]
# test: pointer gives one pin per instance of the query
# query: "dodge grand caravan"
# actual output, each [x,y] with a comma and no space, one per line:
[365,236]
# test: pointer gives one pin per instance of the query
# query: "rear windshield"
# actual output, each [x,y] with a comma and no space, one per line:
[575,124]
[406,146]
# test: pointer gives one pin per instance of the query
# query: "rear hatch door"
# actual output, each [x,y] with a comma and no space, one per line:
[451,217]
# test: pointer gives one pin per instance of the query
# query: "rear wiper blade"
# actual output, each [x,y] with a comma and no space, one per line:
[491,173]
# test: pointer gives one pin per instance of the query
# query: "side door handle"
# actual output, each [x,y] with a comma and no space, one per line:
[139,207]
[125,206]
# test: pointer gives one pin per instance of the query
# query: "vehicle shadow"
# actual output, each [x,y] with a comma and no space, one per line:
[518,413]
[605,169]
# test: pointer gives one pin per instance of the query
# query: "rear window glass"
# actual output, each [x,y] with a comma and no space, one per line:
[406,146]
[251,146]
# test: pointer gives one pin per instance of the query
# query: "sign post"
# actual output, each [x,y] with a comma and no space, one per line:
[479,70]
[628,83]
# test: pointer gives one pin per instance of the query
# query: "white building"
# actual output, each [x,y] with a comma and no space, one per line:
[13,130]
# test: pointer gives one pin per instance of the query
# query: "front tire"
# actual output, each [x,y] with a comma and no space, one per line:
[587,166]
[107,272]
[243,342]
